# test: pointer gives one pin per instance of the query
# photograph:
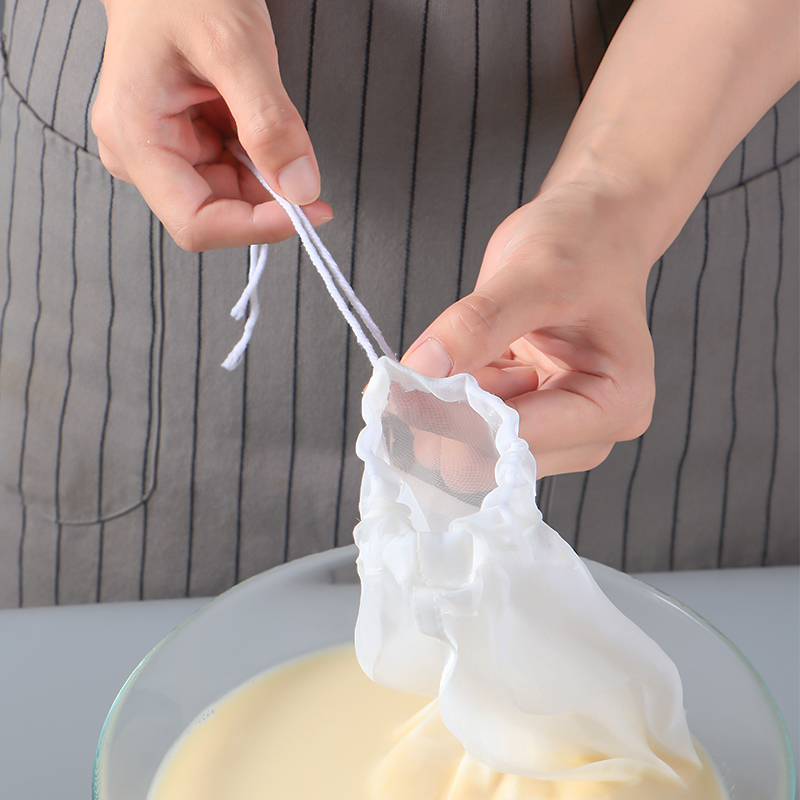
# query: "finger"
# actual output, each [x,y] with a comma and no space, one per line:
[576,410]
[455,465]
[423,411]
[465,469]
[250,187]
[210,143]
[508,381]
[184,201]
[244,68]
[239,182]
[575,459]
[226,180]
[479,328]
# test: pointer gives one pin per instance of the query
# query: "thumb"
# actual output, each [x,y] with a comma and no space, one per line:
[479,328]
[269,126]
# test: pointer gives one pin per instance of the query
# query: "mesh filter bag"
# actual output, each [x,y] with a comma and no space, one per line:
[466,593]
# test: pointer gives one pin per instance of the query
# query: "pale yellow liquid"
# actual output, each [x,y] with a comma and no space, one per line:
[319,729]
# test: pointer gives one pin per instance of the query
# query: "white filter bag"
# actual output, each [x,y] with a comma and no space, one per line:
[467,594]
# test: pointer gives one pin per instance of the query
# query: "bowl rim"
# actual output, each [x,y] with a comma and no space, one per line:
[347,554]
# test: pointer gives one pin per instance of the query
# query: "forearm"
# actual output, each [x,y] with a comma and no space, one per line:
[682,83]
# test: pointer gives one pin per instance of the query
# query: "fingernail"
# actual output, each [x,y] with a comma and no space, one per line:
[430,359]
[298,181]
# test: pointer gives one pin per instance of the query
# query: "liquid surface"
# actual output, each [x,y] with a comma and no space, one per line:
[319,729]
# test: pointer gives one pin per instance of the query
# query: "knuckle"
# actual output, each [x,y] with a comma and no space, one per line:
[271,117]
[221,36]
[100,121]
[273,123]
[475,321]
[186,238]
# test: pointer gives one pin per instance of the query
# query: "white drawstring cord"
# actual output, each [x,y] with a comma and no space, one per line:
[258,260]
[325,266]
[346,288]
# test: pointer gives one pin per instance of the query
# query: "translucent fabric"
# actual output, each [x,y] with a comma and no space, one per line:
[467,594]
[429,762]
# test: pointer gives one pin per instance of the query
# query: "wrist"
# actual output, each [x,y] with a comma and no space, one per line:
[618,215]
[680,85]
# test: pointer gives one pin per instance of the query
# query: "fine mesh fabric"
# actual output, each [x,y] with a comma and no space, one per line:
[444,450]
[467,594]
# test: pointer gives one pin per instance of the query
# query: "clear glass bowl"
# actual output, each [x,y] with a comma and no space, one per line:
[312,603]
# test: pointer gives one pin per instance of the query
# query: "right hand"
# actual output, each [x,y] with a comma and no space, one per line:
[180,77]
[556,327]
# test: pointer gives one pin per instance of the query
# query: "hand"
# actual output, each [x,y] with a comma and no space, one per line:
[557,326]
[178,79]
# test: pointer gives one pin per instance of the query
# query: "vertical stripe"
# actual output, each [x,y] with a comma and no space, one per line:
[775,337]
[776,114]
[68,385]
[9,288]
[470,154]
[741,166]
[692,379]
[63,62]
[199,335]
[150,360]
[11,29]
[158,308]
[551,493]
[109,388]
[150,396]
[528,101]
[412,188]
[603,30]
[345,405]
[242,446]
[725,485]
[293,424]
[353,242]
[575,49]
[545,490]
[655,292]
[36,50]
[13,193]
[26,401]
[640,440]
[144,551]
[88,112]
[296,347]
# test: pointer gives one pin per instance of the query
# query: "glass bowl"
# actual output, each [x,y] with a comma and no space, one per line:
[311,603]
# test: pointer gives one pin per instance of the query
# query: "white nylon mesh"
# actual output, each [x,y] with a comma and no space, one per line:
[445,452]
[467,594]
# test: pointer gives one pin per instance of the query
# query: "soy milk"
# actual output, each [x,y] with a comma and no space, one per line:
[319,729]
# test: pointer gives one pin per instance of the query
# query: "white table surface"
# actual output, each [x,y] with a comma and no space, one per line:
[61,668]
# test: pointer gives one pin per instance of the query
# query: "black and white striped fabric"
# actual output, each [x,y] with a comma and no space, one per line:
[133,466]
